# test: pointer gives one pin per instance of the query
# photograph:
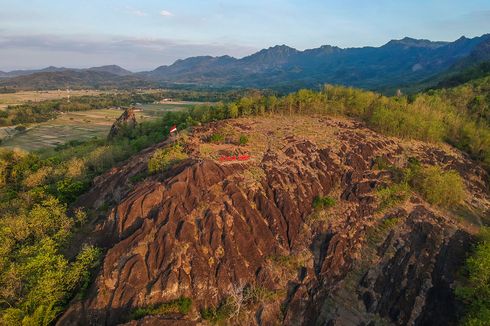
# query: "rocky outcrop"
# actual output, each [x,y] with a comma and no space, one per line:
[411,284]
[126,120]
[206,229]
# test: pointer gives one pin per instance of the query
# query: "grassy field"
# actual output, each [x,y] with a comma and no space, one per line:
[36,96]
[158,109]
[69,126]
[77,126]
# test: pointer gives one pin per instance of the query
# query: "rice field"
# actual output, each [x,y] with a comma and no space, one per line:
[36,96]
[67,127]
[80,126]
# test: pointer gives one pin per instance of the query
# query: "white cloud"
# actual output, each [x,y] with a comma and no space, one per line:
[139,13]
[79,51]
[165,13]
[135,12]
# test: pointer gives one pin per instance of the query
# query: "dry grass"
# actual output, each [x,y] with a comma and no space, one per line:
[252,177]
[292,262]
[271,132]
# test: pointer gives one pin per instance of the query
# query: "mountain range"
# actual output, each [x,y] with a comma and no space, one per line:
[112,69]
[397,63]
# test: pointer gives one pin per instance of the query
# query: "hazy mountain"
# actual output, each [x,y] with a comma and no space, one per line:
[73,79]
[17,73]
[113,69]
[199,69]
[474,65]
[479,54]
[398,63]
[273,57]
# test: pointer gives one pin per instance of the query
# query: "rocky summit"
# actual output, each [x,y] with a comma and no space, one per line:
[295,234]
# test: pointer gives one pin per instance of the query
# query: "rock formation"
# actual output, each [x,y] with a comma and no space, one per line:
[126,120]
[208,230]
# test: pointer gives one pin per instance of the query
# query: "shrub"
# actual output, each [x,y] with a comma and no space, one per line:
[392,195]
[42,316]
[240,298]
[243,140]
[138,177]
[261,295]
[377,234]
[323,202]
[79,276]
[181,305]
[68,190]
[439,187]
[217,138]
[219,314]
[101,159]
[47,281]
[80,216]
[291,262]
[381,163]
[233,111]
[389,223]
[13,316]
[75,168]
[163,158]
[38,177]
[476,292]
[318,216]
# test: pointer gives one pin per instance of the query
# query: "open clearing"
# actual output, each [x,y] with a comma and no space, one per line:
[36,96]
[77,126]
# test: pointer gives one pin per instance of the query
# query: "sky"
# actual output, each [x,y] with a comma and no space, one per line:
[142,35]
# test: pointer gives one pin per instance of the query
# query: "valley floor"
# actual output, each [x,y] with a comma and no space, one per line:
[77,126]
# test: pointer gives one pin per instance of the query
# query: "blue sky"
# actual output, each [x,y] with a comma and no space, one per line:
[144,34]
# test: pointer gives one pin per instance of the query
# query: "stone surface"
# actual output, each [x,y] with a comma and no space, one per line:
[205,227]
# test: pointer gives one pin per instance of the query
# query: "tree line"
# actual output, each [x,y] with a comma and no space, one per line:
[458,116]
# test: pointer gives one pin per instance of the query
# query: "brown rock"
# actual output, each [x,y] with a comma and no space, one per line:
[206,228]
[126,120]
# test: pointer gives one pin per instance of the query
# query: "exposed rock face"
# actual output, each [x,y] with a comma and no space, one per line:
[410,286]
[205,228]
[127,119]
